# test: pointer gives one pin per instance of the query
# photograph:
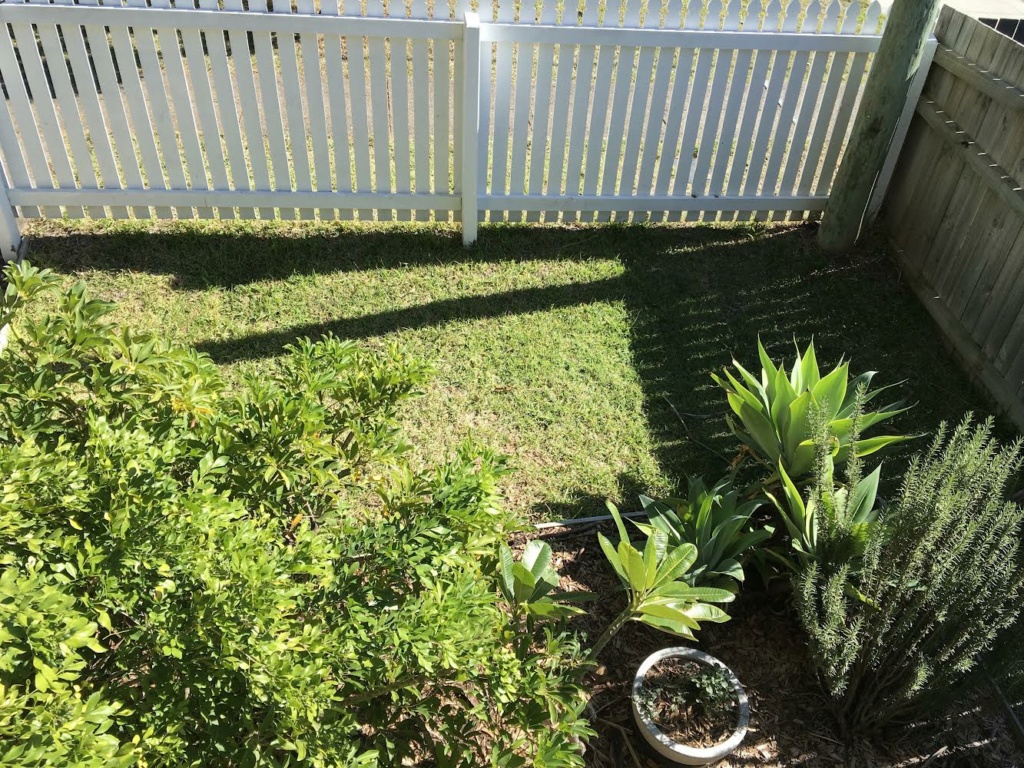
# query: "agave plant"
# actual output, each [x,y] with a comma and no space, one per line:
[716,523]
[656,594]
[854,510]
[772,416]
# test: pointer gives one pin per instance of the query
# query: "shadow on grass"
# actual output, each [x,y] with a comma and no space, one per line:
[695,296]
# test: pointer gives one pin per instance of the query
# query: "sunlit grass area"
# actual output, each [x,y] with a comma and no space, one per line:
[584,353]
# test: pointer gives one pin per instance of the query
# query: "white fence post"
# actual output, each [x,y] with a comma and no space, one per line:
[885,175]
[470,126]
[10,237]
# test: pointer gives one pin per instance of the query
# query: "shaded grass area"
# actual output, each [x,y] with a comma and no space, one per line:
[583,352]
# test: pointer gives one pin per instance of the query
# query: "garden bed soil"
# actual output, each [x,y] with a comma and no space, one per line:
[763,645]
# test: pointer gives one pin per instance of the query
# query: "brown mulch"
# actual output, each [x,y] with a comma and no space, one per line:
[763,645]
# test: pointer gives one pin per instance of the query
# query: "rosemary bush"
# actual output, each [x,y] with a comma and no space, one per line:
[939,582]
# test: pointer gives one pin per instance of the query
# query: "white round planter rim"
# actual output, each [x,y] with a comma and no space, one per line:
[673,750]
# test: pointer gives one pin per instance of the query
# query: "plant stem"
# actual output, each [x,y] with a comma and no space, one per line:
[609,633]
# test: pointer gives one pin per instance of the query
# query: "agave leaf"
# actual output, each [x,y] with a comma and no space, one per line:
[766,362]
[872,444]
[757,425]
[831,390]
[730,568]
[809,368]
[740,394]
[801,461]
[784,395]
[750,539]
[868,420]
[862,504]
[751,380]
[798,423]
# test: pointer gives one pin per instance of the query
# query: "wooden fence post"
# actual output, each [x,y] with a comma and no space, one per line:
[893,154]
[470,126]
[896,64]
[10,237]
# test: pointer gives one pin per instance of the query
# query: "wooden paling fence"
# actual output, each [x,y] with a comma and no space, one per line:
[955,206]
[623,109]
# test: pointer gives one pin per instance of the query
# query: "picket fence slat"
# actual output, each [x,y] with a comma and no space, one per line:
[681,83]
[19,110]
[809,102]
[220,108]
[293,120]
[738,87]
[837,69]
[56,152]
[67,110]
[421,111]
[224,96]
[97,131]
[341,131]
[582,92]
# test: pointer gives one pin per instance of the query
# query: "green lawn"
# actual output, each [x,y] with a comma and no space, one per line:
[583,353]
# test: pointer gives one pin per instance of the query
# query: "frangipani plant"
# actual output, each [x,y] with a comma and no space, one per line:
[531,584]
[653,578]
[853,510]
[772,415]
[654,582]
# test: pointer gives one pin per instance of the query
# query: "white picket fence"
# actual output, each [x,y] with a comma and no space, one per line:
[618,110]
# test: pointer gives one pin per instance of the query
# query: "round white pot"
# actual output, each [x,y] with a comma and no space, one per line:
[673,751]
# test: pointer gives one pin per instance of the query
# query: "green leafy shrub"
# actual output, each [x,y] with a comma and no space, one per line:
[940,580]
[198,575]
[773,414]
[716,523]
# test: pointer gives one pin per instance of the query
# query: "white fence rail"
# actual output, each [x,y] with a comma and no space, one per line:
[619,110]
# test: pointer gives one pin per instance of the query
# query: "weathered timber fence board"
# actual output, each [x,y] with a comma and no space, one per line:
[955,206]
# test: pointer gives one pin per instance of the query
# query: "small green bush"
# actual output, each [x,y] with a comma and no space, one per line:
[198,575]
[938,582]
